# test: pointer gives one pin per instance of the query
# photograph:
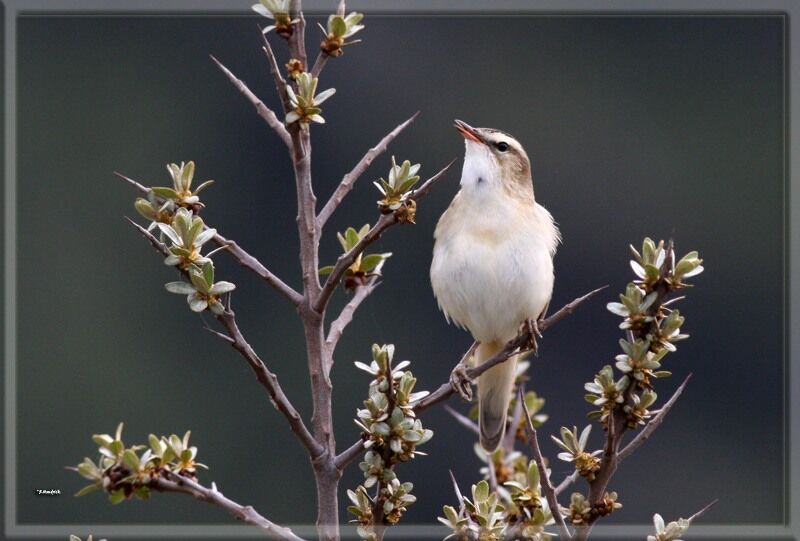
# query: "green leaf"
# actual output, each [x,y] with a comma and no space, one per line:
[171,234]
[199,281]
[116,497]
[337,26]
[342,241]
[208,273]
[144,208]
[369,262]
[88,489]
[194,230]
[164,192]
[222,287]
[481,491]
[143,493]
[103,440]
[116,447]
[326,270]
[130,459]
[203,186]
[180,288]
[197,304]
[188,175]
[352,238]
[405,186]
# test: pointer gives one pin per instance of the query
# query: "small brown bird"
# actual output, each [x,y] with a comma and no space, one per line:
[492,266]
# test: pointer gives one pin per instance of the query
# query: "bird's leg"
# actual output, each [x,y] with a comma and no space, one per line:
[531,327]
[459,380]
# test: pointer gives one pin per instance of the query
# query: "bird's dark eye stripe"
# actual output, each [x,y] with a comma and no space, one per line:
[502,146]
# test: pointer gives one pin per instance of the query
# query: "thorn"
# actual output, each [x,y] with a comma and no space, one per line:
[455,487]
[703,510]
[220,335]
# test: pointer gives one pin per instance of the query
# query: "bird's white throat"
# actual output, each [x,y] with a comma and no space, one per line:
[480,169]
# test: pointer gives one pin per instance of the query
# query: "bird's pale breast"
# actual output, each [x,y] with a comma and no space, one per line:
[492,270]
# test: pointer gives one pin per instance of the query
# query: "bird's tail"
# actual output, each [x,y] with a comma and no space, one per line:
[494,394]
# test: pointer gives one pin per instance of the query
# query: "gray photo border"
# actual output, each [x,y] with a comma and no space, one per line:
[788,529]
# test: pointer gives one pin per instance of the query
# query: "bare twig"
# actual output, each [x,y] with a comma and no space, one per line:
[319,64]
[349,455]
[568,480]
[221,336]
[512,348]
[423,190]
[346,315]
[280,82]
[654,423]
[463,420]
[297,42]
[249,262]
[350,178]
[243,257]
[263,111]
[547,486]
[270,382]
[183,485]
[383,223]
[267,379]
[703,510]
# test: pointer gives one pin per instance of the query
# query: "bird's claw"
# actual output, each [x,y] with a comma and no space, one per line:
[531,326]
[461,382]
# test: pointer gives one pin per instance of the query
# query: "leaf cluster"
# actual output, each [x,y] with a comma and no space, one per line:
[124,472]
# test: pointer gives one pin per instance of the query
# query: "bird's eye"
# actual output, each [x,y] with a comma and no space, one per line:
[502,146]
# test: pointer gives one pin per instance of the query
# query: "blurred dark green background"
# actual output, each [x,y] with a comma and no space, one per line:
[636,126]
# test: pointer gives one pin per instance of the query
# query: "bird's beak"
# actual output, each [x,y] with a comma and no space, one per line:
[467,131]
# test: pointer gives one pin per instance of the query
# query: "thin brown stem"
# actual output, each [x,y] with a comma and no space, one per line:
[346,185]
[264,376]
[280,82]
[463,420]
[383,223]
[547,486]
[349,455]
[703,510]
[565,484]
[319,64]
[242,256]
[263,111]
[446,390]
[346,316]
[270,382]
[183,485]
[249,262]
[653,424]
[297,42]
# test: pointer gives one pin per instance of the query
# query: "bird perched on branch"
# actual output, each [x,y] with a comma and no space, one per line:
[492,266]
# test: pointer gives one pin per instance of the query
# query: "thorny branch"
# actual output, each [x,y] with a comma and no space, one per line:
[547,486]
[346,185]
[184,485]
[346,315]
[280,82]
[513,347]
[653,424]
[267,379]
[383,223]
[446,390]
[263,111]
[243,257]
